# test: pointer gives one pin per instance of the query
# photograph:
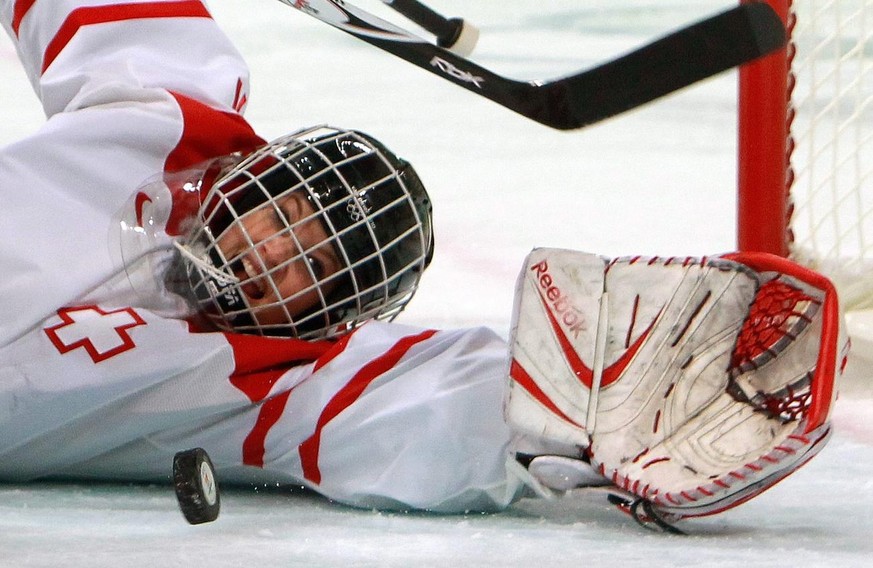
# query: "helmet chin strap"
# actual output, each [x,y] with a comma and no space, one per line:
[216,274]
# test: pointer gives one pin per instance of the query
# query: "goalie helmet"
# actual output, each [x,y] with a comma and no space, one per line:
[349,219]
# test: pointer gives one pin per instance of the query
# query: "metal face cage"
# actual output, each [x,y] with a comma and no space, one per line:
[310,236]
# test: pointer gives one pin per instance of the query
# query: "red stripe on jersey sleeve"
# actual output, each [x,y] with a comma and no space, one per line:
[347,395]
[260,361]
[209,133]
[334,351]
[87,16]
[254,446]
[18,12]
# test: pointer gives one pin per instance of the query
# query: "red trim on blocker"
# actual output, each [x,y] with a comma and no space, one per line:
[87,16]
[525,381]
[583,372]
[21,8]
[347,396]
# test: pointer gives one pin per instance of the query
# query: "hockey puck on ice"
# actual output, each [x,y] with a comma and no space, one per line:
[196,486]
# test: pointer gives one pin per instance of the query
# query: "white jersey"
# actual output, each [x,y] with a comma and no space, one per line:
[92,387]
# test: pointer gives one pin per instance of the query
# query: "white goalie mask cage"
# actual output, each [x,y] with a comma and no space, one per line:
[370,204]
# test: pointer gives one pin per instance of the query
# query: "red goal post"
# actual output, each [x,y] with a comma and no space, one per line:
[805,143]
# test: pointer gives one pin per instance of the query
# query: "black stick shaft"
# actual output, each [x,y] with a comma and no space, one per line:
[677,60]
[445,29]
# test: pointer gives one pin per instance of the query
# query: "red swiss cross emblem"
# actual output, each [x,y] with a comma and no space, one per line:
[102,334]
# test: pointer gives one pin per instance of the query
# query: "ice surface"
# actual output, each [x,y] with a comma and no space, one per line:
[659,180]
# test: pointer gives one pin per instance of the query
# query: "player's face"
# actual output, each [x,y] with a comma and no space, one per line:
[276,268]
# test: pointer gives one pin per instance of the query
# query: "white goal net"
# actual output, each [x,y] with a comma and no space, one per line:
[832,131]
[818,181]
[829,149]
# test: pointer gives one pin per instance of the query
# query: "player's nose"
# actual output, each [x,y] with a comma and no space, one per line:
[279,250]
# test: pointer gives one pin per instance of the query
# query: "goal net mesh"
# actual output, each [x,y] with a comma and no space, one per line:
[830,146]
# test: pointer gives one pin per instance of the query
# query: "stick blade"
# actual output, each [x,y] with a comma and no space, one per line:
[676,61]
[766,27]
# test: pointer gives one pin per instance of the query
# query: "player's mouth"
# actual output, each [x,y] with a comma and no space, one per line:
[253,282]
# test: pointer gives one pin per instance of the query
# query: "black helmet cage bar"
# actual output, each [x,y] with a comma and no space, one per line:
[229,203]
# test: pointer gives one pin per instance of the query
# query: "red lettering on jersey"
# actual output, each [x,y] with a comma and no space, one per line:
[102,334]
[239,98]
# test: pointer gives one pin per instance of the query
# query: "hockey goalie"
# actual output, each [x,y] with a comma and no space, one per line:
[686,386]
[187,284]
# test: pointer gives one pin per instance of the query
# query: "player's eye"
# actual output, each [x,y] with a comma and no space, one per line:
[316,266]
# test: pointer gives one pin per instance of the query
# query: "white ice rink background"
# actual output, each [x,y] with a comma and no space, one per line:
[659,180]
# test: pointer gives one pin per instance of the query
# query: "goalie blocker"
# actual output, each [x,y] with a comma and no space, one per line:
[687,386]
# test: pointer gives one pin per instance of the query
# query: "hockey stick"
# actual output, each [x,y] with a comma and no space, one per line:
[680,59]
[454,34]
